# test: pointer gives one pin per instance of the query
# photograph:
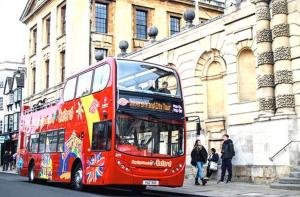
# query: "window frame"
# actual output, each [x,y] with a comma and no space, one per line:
[63,9]
[48,132]
[106,124]
[58,138]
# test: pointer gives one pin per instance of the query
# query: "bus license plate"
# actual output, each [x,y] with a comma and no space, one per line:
[150,182]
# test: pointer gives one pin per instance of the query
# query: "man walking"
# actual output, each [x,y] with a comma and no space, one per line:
[227,154]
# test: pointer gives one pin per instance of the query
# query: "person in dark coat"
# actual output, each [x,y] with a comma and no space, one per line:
[199,157]
[5,161]
[227,155]
[212,157]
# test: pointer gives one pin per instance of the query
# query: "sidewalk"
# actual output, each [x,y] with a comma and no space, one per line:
[212,189]
[8,171]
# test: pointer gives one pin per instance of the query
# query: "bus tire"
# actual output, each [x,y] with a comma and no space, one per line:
[77,176]
[31,178]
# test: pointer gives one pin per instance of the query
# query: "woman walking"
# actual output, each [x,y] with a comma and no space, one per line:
[199,157]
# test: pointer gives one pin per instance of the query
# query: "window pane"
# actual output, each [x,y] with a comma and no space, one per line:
[61,141]
[42,142]
[69,89]
[100,50]
[101,77]
[84,84]
[101,17]
[51,141]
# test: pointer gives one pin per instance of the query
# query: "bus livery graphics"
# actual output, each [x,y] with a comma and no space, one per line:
[118,122]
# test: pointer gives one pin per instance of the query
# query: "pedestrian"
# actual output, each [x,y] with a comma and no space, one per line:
[227,154]
[212,162]
[5,161]
[10,160]
[199,157]
[14,160]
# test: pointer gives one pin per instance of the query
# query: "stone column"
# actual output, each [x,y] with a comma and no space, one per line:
[265,77]
[285,101]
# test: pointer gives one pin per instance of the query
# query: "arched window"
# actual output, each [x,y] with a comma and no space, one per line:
[246,76]
[215,90]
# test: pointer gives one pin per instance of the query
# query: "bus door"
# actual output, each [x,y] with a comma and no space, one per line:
[99,155]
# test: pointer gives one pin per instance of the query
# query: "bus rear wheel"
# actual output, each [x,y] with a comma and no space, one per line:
[77,178]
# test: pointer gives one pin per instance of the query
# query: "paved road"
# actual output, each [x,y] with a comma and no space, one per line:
[14,185]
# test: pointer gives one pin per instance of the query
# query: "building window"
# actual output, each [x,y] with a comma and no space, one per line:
[17,95]
[10,122]
[47,30]
[1,84]
[141,24]
[33,79]
[16,121]
[1,126]
[5,124]
[1,103]
[101,17]
[33,40]
[101,50]
[47,73]
[174,25]
[62,66]
[63,19]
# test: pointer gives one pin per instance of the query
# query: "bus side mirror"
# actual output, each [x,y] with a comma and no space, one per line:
[198,128]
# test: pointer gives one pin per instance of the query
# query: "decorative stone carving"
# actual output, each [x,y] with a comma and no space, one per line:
[285,101]
[283,76]
[265,58]
[262,13]
[281,30]
[279,7]
[266,103]
[264,36]
[265,81]
[282,53]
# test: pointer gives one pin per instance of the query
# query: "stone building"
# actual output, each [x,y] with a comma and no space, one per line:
[240,74]
[64,35]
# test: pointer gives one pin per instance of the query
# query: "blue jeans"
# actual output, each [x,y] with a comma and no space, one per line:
[199,172]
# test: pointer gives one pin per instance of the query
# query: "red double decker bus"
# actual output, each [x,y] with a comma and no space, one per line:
[118,122]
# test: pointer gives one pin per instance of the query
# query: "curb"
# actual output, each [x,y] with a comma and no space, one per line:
[11,173]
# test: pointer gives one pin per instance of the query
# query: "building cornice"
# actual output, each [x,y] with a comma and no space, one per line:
[26,14]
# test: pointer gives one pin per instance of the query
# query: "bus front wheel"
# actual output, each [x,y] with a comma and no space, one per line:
[77,178]
[31,173]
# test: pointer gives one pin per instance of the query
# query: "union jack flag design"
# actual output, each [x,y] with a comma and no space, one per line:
[95,167]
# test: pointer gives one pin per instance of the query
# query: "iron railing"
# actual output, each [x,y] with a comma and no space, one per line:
[283,148]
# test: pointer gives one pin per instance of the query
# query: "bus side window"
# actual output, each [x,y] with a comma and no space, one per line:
[61,141]
[34,143]
[84,84]
[101,77]
[101,138]
[69,89]
[42,142]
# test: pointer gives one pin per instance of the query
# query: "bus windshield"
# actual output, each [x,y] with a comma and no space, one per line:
[148,78]
[148,136]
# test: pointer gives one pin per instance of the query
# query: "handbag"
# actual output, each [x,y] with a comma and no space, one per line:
[213,166]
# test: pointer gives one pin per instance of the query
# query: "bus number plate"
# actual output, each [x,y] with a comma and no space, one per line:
[150,182]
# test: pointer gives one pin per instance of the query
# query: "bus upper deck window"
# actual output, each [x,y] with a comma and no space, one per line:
[69,89]
[84,84]
[101,77]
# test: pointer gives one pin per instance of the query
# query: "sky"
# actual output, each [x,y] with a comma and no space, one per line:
[12,33]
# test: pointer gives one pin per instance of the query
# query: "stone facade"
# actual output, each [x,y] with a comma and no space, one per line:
[72,49]
[259,127]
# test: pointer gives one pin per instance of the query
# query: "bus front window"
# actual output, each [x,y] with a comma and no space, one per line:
[148,136]
[148,78]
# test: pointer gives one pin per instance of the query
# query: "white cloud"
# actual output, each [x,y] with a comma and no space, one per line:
[12,34]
